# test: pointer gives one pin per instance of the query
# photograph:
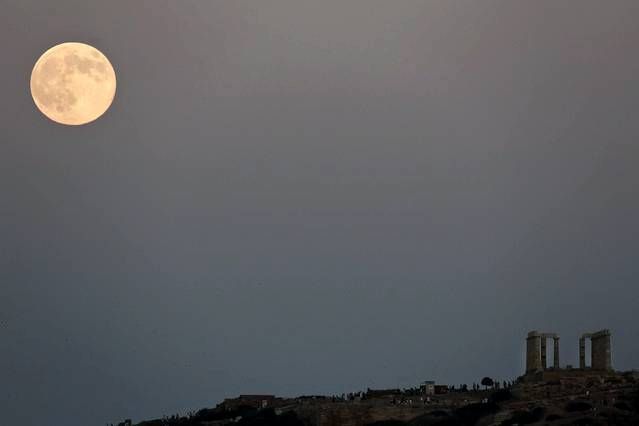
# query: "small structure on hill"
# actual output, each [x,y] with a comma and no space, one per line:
[427,387]
[254,401]
[441,389]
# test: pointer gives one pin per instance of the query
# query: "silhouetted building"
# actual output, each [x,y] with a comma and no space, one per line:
[441,389]
[255,401]
[428,387]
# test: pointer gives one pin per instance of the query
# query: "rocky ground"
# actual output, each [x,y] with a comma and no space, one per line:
[591,400]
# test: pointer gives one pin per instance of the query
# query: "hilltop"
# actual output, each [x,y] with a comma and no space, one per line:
[595,399]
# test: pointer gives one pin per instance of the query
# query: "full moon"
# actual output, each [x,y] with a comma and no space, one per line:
[73,83]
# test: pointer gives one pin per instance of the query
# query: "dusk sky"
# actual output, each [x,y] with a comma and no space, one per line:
[313,197]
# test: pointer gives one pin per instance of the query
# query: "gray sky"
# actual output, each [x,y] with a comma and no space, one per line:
[313,197]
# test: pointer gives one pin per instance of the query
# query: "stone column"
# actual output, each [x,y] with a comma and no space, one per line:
[582,352]
[601,350]
[533,354]
[556,352]
[544,353]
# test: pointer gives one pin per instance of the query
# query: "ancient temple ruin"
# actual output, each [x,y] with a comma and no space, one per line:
[536,351]
[600,350]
